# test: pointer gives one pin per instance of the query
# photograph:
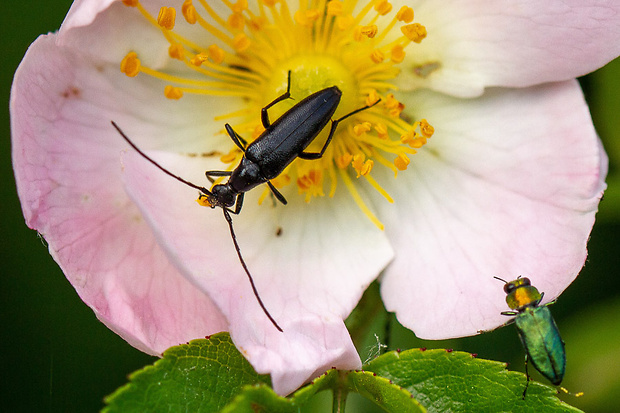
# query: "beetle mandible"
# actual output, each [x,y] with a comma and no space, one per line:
[264,159]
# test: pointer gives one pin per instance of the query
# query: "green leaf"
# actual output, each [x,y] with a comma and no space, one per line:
[202,376]
[451,381]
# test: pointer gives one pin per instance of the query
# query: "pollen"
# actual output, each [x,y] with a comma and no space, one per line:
[245,51]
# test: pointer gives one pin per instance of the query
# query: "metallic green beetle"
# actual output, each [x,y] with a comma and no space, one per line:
[537,330]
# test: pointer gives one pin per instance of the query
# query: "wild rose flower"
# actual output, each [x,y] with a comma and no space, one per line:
[508,184]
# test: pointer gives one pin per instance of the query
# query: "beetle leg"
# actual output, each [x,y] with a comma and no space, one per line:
[264,116]
[238,204]
[209,174]
[238,140]
[277,193]
[527,376]
[317,155]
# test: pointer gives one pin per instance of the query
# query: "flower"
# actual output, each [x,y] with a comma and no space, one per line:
[508,184]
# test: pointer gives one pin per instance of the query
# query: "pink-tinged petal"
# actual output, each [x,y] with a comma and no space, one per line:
[508,186]
[311,263]
[66,157]
[515,43]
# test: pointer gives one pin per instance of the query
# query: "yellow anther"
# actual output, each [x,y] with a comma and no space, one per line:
[204,201]
[240,6]
[383,7]
[216,54]
[390,101]
[370,30]
[372,98]
[173,92]
[382,130]
[397,54]
[313,178]
[199,59]
[131,3]
[413,139]
[176,51]
[405,14]
[402,161]
[236,21]
[344,160]
[345,22]
[377,56]
[230,157]
[334,8]
[307,17]
[256,23]
[361,128]
[130,65]
[426,128]
[241,43]
[414,32]
[270,3]
[166,18]
[189,11]
[362,167]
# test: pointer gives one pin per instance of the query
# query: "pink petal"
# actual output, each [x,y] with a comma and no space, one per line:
[508,186]
[66,160]
[514,43]
[310,276]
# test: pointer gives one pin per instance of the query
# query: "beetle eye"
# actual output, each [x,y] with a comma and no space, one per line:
[525,281]
[509,287]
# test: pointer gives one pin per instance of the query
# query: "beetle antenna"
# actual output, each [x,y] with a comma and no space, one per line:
[502,280]
[151,160]
[247,271]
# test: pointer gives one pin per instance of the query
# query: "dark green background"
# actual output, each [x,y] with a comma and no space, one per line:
[56,356]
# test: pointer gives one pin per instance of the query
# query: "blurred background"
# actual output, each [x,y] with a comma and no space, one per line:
[57,357]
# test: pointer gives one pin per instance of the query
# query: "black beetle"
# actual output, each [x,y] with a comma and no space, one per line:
[281,143]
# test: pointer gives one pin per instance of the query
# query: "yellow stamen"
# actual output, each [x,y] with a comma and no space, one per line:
[166,18]
[131,3]
[405,14]
[173,92]
[383,7]
[414,32]
[130,65]
[189,11]
[402,161]
[334,8]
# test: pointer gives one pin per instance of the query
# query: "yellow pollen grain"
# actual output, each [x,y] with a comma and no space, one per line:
[166,17]
[130,65]
[344,160]
[236,21]
[335,8]
[176,51]
[402,161]
[203,201]
[426,128]
[397,54]
[414,32]
[369,31]
[189,11]
[173,92]
[216,54]
[405,14]
[345,22]
[361,128]
[240,6]
[383,7]
[241,42]
[377,56]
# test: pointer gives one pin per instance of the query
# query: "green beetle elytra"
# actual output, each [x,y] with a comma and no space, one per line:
[537,330]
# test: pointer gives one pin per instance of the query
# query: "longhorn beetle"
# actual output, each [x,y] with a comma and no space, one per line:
[264,159]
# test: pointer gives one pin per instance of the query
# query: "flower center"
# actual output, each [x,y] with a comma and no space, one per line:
[353,44]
